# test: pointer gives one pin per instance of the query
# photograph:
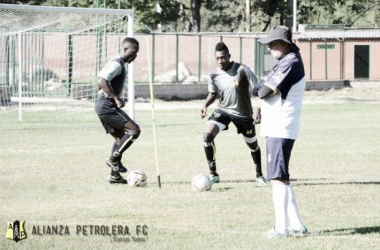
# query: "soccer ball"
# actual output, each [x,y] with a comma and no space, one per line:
[201,183]
[137,178]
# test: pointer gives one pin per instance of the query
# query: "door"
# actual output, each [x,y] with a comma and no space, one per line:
[361,61]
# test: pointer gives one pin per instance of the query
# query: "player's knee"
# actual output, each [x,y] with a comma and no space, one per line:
[135,133]
[254,147]
[207,137]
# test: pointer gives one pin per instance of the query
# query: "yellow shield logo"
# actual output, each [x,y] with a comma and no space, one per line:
[16,230]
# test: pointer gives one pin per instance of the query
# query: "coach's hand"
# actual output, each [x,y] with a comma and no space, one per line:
[203,112]
[119,103]
[257,116]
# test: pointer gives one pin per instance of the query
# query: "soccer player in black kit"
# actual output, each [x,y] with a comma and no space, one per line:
[123,129]
[232,81]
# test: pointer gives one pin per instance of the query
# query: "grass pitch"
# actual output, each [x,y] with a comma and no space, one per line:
[53,173]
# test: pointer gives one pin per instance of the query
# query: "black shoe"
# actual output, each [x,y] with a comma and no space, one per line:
[117,179]
[122,169]
[116,166]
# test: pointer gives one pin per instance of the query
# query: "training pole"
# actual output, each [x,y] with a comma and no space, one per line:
[153,115]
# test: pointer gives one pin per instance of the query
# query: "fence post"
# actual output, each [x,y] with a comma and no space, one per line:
[177,53]
[325,56]
[241,48]
[311,56]
[20,75]
[8,54]
[341,52]
[200,58]
[69,63]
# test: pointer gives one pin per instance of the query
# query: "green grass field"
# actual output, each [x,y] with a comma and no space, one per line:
[53,173]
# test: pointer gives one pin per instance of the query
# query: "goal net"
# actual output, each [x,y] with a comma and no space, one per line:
[50,56]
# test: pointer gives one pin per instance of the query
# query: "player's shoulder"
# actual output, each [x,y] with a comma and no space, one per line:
[215,72]
[117,59]
[291,60]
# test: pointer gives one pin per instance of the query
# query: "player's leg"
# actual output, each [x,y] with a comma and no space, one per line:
[284,202]
[124,139]
[210,132]
[256,157]
[115,176]
[247,129]
[117,166]
[218,121]
[280,198]
[278,155]
[296,227]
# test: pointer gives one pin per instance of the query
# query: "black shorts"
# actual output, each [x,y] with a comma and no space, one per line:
[112,117]
[244,126]
[278,156]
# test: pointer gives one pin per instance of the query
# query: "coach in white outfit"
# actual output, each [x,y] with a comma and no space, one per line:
[281,92]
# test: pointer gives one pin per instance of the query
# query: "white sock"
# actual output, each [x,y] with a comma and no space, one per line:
[280,203]
[294,216]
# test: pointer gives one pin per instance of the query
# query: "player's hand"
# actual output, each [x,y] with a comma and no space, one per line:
[119,103]
[203,112]
[257,116]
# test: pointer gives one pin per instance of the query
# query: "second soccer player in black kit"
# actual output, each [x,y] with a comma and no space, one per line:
[232,81]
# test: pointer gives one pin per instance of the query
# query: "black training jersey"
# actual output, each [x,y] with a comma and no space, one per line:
[116,74]
[233,86]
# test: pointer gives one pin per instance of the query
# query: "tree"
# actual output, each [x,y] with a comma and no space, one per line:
[196,13]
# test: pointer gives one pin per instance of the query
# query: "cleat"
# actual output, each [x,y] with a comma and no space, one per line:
[261,181]
[298,233]
[214,178]
[274,234]
[116,166]
[117,179]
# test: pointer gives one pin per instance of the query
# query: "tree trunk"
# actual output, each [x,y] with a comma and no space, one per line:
[196,12]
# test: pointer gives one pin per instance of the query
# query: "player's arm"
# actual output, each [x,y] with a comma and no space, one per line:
[266,91]
[105,76]
[276,81]
[254,82]
[257,112]
[211,97]
[106,87]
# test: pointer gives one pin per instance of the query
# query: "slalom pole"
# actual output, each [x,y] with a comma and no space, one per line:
[153,115]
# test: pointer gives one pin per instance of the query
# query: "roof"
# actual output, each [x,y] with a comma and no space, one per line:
[337,32]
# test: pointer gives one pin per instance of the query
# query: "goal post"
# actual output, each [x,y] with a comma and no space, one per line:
[51,55]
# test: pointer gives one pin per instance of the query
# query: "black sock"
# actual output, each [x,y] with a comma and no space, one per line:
[114,147]
[210,156]
[256,156]
[125,142]
[114,173]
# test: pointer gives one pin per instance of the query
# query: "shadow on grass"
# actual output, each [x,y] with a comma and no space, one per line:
[349,231]
[188,182]
[339,183]
[222,189]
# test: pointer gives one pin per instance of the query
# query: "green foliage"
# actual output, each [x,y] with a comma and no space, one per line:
[230,15]
[350,12]
[224,15]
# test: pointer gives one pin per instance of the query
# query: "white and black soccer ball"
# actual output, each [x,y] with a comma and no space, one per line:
[137,178]
[201,183]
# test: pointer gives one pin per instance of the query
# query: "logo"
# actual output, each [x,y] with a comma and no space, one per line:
[236,82]
[216,114]
[16,231]
[249,132]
